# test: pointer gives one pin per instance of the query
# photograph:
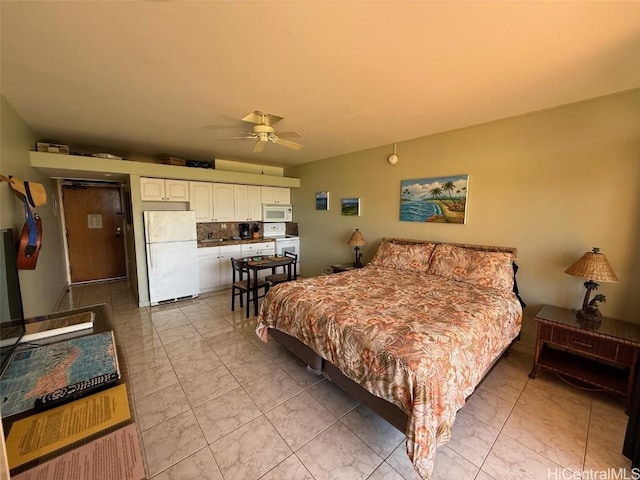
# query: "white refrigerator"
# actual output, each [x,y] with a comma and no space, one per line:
[172,255]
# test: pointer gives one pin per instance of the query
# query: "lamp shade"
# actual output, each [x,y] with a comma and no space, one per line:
[356,240]
[593,266]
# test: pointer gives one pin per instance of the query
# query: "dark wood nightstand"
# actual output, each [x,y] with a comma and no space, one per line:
[342,267]
[604,356]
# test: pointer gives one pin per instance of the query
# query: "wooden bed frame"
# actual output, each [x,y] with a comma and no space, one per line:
[387,410]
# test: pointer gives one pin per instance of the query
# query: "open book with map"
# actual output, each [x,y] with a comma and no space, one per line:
[38,328]
[37,371]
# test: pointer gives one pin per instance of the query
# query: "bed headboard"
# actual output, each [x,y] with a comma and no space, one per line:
[483,248]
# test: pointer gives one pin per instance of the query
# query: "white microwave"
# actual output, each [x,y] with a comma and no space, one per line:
[276,213]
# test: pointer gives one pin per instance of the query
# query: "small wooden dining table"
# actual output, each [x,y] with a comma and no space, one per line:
[255,264]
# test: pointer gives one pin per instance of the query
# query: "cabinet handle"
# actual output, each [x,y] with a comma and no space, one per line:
[583,344]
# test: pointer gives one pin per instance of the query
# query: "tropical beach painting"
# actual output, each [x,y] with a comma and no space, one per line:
[350,206]
[434,200]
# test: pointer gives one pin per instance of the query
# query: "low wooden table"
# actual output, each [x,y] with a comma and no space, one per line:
[604,356]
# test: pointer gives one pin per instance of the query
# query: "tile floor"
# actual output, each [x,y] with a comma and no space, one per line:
[213,402]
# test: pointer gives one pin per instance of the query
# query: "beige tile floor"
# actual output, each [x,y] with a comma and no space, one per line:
[213,402]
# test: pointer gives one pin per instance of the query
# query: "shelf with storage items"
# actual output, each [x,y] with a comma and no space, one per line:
[164,190]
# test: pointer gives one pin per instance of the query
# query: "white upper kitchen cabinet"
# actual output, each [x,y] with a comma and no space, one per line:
[255,203]
[176,190]
[201,200]
[152,189]
[276,195]
[164,190]
[248,203]
[223,202]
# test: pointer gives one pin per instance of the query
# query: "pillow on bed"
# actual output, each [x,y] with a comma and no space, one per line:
[487,269]
[413,257]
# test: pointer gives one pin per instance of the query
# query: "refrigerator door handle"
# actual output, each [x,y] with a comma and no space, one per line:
[151,258]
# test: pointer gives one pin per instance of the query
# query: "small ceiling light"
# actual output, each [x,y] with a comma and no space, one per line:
[393,158]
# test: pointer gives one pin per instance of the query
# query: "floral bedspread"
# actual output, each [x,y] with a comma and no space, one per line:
[419,341]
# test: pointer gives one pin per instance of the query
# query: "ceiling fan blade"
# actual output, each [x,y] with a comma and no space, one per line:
[241,136]
[289,135]
[288,143]
[258,147]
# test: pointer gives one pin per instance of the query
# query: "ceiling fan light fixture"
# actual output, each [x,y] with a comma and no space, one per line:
[263,132]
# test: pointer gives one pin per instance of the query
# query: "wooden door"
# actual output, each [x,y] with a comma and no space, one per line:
[95,237]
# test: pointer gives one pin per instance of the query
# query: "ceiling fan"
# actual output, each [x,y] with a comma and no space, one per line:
[263,132]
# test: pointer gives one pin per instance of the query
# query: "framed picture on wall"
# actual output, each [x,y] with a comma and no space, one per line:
[350,206]
[322,201]
[434,199]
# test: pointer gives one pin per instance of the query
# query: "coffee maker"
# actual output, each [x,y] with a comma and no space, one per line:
[245,231]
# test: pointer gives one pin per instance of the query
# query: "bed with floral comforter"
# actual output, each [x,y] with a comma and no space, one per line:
[418,327]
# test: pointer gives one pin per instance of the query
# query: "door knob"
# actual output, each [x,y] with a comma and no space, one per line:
[118,232]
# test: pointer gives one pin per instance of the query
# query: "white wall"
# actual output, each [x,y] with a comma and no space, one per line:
[553,184]
[43,287]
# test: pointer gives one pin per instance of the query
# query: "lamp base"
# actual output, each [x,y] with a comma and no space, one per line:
[358,262]
[591,315]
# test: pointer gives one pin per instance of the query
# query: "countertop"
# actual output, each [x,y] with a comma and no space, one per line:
[230,241]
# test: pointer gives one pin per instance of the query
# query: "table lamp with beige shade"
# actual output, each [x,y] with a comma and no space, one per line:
[594,267]
[356,241]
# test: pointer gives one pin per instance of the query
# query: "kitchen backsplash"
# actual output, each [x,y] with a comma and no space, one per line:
[232,229]
[222,230]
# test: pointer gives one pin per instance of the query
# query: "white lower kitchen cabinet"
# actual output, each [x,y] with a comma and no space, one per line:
[226,271]
[209,268]
[257,249]
[214,267]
